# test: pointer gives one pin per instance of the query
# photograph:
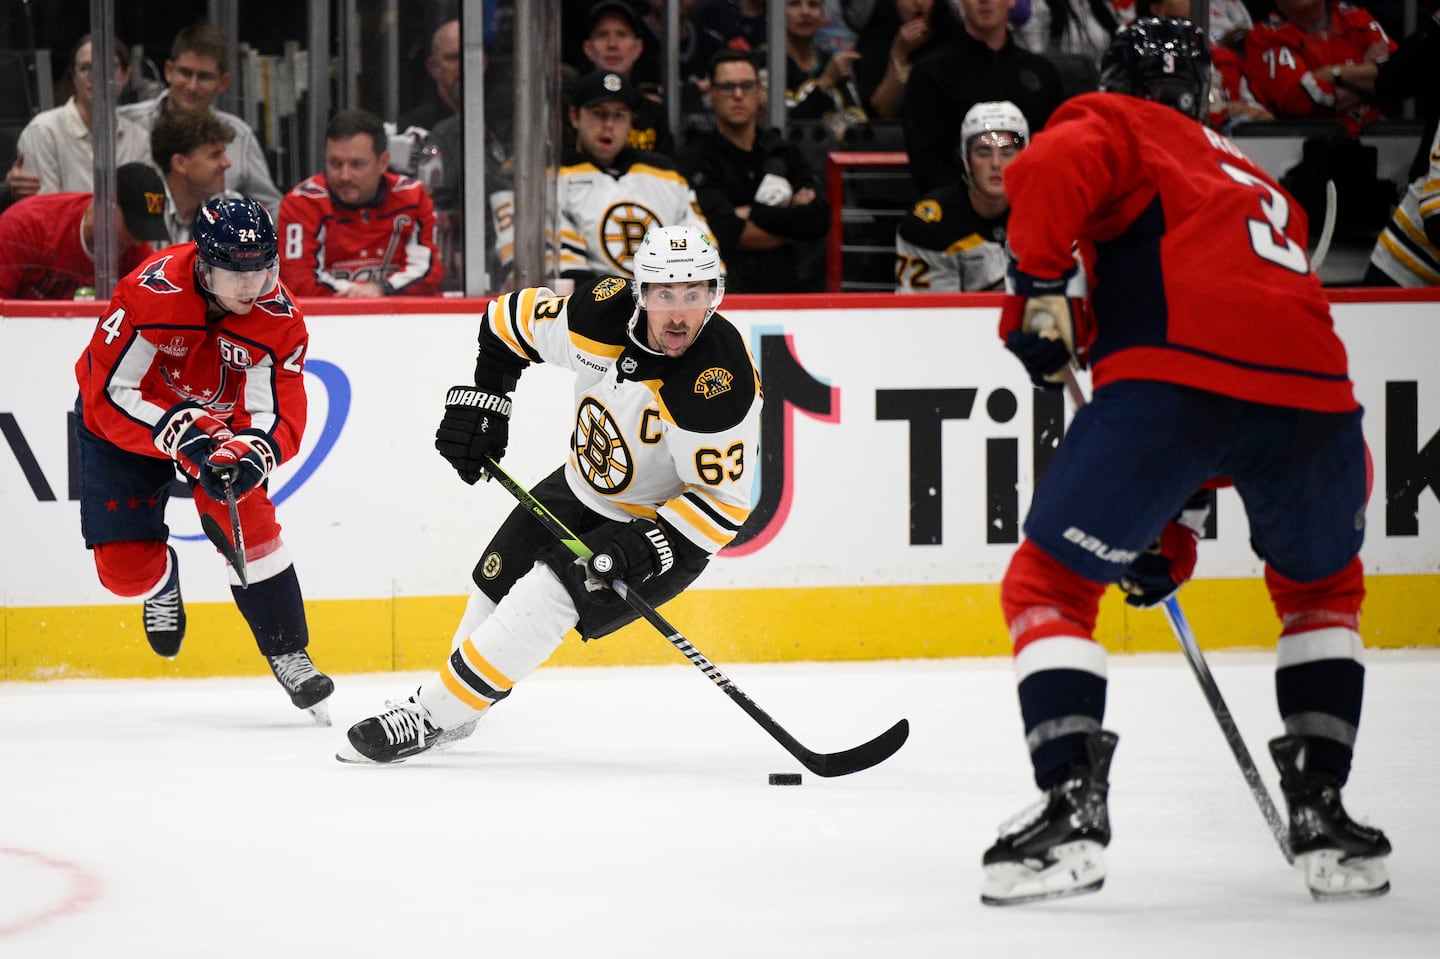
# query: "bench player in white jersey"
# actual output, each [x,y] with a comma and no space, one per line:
[610,194]
[953,238]
[663,452]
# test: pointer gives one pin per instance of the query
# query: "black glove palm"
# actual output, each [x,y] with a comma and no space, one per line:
[1042,356]
[474,430]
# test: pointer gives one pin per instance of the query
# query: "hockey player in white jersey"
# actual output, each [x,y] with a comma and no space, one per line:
[610,194]
[663,452]
[953,238]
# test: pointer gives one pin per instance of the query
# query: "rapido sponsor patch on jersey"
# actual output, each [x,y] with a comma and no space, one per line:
[713,382]
[607,288]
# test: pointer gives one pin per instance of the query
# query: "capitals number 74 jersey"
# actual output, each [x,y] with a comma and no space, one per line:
[653,437]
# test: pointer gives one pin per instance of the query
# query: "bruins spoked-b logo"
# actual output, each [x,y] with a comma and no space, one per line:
[490,566]
[621,229]
[600,450]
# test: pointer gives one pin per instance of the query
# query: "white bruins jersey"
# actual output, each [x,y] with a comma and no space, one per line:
[1406,250]
[943,246]
[604,213]
[653,437]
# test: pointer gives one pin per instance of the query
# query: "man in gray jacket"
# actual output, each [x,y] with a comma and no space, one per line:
[197,72]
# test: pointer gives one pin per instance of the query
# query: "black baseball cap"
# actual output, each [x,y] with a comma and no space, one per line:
[618,7]
[141,194]
[602,86]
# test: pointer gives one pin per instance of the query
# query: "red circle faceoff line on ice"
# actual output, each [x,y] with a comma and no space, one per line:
[84,889]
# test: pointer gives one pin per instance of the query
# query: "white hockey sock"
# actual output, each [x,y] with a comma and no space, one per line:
[520,634]
[477,610]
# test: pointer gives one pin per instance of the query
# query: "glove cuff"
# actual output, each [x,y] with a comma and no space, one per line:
[478,398]
[172,426]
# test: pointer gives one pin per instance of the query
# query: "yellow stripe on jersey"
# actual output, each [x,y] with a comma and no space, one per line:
[696,519]
[595,347]
[966,243]
[658,173]
[502,323]
[1407,259]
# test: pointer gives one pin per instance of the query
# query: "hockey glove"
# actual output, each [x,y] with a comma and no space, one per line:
[1040,331]
[1157,573]
[187,434]
[475,428]
[245,460]
[633,551]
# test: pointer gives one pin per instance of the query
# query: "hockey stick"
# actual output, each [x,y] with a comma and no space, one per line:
[1327,229]
[1208,686]
[234,553]
[843,763]
[1201,669]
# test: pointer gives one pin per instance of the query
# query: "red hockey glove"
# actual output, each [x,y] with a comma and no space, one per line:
[1167,565]
[187,434]
[245,460]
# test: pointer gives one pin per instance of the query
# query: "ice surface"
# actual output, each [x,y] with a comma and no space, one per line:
[625,812]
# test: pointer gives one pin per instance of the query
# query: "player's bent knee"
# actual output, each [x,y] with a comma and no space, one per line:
[1037,581]
[132,567]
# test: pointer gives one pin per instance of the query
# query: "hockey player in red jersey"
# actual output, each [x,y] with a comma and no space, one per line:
[197,366]
[663,448]
[358,229]
[1313,58]
[1194,380]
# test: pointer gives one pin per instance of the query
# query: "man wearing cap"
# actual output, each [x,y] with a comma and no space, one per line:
[613,45]
[47,241]
[610,193]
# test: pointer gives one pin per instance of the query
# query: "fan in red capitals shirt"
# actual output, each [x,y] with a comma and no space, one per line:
[47,245]
[1098,172]
[1312,59]
[358,229]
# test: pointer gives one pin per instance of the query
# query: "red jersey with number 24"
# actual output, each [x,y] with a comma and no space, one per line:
[1199,270]
[153,348]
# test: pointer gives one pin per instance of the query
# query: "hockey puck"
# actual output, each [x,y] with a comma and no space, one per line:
[784,779]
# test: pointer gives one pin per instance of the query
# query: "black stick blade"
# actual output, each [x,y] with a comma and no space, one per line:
[876,751]
[216,535]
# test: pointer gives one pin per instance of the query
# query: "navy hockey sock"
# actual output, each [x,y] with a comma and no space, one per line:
[275,611]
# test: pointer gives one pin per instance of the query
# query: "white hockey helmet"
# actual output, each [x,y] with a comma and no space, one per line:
[991,116]
[678,254]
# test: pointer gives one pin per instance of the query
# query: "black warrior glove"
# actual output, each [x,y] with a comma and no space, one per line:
[633,551]
[476,428]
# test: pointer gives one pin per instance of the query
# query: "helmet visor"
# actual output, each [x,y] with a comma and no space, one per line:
[237,285]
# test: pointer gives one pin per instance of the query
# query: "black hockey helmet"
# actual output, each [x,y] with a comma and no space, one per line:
[1165,59]
[238,254]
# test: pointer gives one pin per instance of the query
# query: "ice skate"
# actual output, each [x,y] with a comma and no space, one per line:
[1341,859]
[403,730]
[165,613]
[308,687]
[1057,847]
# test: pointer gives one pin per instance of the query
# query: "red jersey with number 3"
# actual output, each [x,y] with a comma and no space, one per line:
[154,348]
[1198,262]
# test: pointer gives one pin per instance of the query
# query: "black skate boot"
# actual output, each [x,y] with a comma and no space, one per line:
[307,686]
[165,613]
[1341,858]
[403,730]
[1056,848]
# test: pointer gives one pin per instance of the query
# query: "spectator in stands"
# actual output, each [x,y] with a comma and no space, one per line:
[47,242]
[982,62]
[197,72]
[953,239]
[1413,70]
[611,194]
[613,45]
[818,85]
[1318,59]
[1074,35]
[734,24]
[443,65]
[357,229]
[54,154]
[890,41]
[695,50]
[1408,250]
[188,146]
[755,188]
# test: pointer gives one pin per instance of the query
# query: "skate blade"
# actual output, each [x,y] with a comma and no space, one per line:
[320,712]
[1079,868]
[347,754]
[1331,877]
